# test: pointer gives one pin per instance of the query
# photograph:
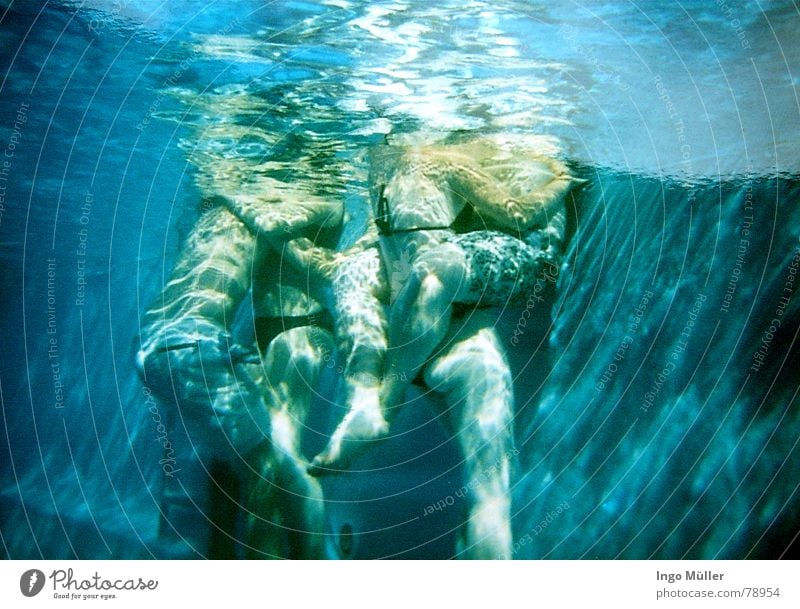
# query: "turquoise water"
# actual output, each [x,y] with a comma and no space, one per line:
[683,120]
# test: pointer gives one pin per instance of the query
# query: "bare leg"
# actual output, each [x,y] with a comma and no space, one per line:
[520,192]
[187,354]
[228,401]
[361,333]
[475,378]
[484,267]
[285,502]
[420,317]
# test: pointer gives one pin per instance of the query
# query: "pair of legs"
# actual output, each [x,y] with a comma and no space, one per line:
[467,364]
[244,412]
[481,268]
[420,193]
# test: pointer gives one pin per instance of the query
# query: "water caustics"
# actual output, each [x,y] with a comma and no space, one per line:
[681,121]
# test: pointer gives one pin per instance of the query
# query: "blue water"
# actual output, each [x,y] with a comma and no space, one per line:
[683,119]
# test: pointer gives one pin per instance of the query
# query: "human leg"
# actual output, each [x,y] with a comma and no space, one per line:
[285,504]
[375,378]
[475,378]
[187,354]
[419,318]
[359,292]
[481,268]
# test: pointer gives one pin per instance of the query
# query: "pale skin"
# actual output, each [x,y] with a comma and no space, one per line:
[233,397]
[440,274]
[430,186]
[420,315]
[474,377]
[285,508]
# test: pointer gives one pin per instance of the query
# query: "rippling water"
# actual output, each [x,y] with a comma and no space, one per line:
[672,113]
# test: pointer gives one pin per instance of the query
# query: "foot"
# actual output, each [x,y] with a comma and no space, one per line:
[362,425]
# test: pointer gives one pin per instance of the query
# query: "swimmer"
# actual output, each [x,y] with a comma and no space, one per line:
[478,222]
[246,405]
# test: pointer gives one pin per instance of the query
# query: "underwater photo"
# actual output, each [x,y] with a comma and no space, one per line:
[396,279]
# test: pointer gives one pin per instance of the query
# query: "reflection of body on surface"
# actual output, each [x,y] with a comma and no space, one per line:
[477,223]
[245,407]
